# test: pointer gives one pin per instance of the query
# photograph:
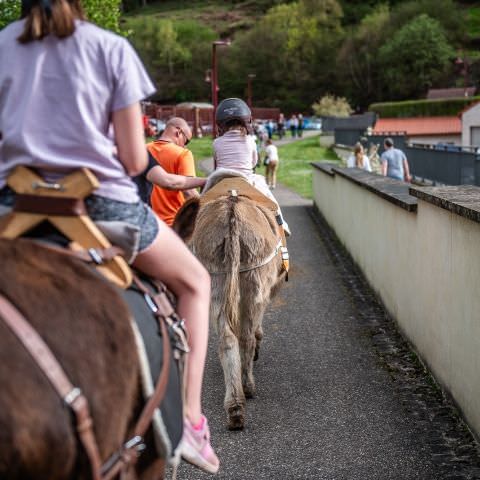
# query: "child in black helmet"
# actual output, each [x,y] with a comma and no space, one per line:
[235,148]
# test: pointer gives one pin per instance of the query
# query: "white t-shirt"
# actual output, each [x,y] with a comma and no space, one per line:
[366,163]
[272,153]
[56,100]
[235,151]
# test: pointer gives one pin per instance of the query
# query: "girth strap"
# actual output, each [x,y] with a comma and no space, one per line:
[49,365]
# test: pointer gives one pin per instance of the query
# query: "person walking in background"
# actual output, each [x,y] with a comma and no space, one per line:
[300,125]
[170,153]
[281,125]
[394,162]
[271,163]
[358,158]
[374,158]
[293,125]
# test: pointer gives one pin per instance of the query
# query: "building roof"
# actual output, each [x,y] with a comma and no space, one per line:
[420,125]
[437,93]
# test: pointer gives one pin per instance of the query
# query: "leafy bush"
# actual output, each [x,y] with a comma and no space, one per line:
[105,13]
[331,106]
[422,108]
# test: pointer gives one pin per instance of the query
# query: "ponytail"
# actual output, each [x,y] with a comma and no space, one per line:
[45,17]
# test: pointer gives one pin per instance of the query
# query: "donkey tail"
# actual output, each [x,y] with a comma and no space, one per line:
[232,251]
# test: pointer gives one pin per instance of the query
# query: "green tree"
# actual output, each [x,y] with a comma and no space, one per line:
[358,63]
[105,13]
[416,57]
[176,54]
[292,52]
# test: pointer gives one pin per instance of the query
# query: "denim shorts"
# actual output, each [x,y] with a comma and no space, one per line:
[106,209]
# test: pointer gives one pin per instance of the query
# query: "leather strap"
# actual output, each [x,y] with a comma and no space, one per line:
[128,456]
[49,365]
[41,204]
[92,255]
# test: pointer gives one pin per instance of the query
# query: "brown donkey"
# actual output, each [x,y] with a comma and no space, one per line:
[238,241]
[86,324]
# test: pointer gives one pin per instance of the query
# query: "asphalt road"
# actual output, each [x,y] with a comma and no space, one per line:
[339,394]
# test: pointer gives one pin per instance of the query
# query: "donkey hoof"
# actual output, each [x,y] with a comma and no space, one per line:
[236,418]
[249,390]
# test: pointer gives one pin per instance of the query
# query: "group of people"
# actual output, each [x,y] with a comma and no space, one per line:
[296,125]
[70,96]
[392,163]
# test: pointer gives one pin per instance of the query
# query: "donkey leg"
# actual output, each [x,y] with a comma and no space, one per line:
[252,315]
[258,341]
[228,350]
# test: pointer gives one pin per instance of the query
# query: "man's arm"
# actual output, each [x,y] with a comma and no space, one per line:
[406,169]
[384,168]
[158,176]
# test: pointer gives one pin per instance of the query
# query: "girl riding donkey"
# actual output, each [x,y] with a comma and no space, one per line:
[63,83]
[235,149]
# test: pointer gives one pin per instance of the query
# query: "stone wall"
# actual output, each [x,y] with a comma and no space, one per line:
[419,249]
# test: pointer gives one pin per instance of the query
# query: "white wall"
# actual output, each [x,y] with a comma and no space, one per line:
[470,118]
[425,267]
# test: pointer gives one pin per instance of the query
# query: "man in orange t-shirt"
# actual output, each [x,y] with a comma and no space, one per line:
[170,153]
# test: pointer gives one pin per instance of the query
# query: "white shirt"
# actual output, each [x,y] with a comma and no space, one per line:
[235,151]
[272,153]
[366,163]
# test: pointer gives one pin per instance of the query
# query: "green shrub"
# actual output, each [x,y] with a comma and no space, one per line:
[422,108]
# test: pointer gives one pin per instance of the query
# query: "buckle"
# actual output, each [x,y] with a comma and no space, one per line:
[95,256]
[72,395]
[150,302]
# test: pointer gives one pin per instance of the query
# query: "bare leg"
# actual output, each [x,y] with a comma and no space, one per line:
[169,260]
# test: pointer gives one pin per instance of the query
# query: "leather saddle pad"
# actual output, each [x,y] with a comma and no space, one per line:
[242,187]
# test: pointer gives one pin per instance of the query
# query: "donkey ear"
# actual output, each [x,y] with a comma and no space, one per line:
[184,223]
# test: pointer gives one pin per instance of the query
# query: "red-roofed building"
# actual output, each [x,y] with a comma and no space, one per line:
[429,130]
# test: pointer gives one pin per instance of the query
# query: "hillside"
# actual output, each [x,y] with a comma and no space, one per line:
[300,50]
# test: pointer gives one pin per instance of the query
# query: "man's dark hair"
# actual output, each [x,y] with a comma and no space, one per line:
[388,142]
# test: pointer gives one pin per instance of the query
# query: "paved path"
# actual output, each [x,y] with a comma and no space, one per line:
[340,396]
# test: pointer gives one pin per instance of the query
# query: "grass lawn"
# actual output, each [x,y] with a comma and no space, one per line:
[201,149]
[295,171]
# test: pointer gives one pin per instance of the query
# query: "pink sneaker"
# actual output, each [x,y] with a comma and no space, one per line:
[195,447]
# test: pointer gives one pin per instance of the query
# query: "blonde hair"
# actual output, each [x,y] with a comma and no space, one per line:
[359,154]
[58,20]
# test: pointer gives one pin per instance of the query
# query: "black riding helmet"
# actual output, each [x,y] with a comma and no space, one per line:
[232,109]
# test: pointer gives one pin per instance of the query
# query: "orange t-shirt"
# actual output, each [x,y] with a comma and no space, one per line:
[174,159]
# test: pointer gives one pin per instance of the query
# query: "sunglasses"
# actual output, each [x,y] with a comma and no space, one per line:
[187,140]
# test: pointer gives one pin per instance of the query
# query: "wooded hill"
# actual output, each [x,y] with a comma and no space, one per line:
[299,50]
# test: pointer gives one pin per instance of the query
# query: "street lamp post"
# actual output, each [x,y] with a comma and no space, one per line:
[214,79]
[250,77]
